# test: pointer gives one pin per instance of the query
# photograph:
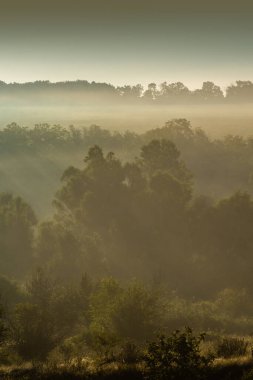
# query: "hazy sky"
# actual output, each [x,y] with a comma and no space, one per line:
[126,41]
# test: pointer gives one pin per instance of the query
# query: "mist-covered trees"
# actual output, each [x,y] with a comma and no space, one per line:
[33,332]
[222,235]
[242,91]
[17,221]
[143,219]
[82,92]
[40,155]
[133,312]
[208,93]
[139,216]
[131,210]
[48,315]
[2,325]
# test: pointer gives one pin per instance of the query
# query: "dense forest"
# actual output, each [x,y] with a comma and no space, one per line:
[33,159]
[147,233]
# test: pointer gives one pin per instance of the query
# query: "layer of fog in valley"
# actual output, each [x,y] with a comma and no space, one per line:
[216,120]
[131,107]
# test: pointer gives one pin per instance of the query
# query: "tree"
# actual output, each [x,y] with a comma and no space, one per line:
[113,213]
[162,155]
[131,313]
[40,289]
[49,315]
[17,221]
[242,91]
[130,93]
[137,313]
[151,93]
[222,238]
[101,334]
[173,92]
[33,332]
[209,93]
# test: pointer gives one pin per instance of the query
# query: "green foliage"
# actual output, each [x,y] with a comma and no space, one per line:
[163,155]
[17,220]
[137,313]
[50,315]
[135,218]
[40,288]
[118,315]
[33,332]
[177,357]
[138,219]
[101,335]
[62,305]
[126,209]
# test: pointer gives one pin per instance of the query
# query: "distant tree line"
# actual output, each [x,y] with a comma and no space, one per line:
[82,91]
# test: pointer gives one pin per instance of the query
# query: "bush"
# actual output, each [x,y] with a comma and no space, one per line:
[177,357]
[231,347]
[33,332]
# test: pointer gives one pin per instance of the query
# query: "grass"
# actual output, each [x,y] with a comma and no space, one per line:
[85,368]
[223,369]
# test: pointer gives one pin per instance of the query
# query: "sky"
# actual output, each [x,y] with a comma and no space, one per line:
[126,41]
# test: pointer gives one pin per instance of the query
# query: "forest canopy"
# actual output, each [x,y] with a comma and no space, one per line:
[146,206]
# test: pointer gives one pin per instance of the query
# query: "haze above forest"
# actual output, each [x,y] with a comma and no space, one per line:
[136,108]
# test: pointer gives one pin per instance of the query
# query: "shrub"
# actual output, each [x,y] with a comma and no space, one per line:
[231,347]
[33,332]
[176,357]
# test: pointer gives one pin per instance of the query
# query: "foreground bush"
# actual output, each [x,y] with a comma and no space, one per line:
[177,357]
